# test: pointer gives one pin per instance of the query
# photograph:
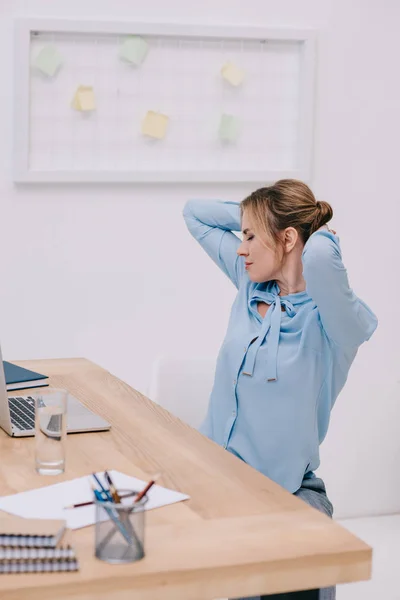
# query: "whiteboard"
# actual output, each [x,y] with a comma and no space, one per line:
[181,78]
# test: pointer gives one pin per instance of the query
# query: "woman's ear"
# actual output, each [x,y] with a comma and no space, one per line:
[290,238]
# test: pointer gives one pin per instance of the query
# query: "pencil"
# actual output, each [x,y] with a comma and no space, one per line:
[146,489]
[89,502]
[116,497]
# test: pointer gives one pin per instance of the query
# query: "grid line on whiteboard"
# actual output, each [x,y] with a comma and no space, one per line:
[181,78]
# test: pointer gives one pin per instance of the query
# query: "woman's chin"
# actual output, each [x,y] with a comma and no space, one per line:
[259,278]
[255,278]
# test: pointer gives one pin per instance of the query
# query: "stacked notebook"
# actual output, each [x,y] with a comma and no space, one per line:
[18,378]
[34,546]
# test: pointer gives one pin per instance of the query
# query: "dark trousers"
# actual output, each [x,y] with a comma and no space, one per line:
[306,595]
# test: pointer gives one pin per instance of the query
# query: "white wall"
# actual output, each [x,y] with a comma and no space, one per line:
[110,273]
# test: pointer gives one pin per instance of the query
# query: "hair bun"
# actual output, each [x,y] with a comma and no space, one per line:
[324,214]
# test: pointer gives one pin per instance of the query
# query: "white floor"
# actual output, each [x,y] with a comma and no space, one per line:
[383,534]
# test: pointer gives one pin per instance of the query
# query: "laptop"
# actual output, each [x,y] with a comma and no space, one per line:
[17,413]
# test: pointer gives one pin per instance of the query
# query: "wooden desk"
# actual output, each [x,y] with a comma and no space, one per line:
[239,535]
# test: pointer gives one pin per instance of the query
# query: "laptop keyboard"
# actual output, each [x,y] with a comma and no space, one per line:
[22,412]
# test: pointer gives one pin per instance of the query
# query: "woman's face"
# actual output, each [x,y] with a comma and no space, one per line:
[262,260]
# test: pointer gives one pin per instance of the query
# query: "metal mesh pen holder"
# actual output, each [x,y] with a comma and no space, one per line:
[119,529]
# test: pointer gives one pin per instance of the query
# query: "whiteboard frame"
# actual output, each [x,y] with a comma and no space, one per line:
[22,39]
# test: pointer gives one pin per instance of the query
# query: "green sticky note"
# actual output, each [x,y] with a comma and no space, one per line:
[134,50]
[48,61]
[229,128]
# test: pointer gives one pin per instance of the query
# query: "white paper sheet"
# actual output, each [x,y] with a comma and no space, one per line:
[49,502]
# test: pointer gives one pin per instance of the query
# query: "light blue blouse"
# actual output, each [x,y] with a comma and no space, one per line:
[277,378]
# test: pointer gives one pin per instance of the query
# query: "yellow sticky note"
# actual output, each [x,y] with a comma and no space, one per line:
[84,99]
[155,125]
[229,128]
[48,61]
[232,74]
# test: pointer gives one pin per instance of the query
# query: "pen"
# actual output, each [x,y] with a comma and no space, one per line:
[124,516]
[103,489]
[146,489]
[113,516]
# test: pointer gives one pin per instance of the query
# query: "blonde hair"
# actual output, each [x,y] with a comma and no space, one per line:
[287,203]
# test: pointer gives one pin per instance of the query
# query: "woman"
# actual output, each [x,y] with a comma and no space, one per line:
[293,333]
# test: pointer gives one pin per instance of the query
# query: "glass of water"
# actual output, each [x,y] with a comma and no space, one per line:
[50,430]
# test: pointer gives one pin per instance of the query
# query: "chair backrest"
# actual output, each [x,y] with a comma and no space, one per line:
[183,386]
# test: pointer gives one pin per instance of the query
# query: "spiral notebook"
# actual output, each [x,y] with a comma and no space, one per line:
[37,560]
[33,546]
[16,532]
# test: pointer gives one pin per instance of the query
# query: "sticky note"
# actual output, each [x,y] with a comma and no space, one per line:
[134,50]
[84,99]
[155,125]
[229,128]
[48,61]
[232,74]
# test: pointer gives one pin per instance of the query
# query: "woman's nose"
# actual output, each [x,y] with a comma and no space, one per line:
[241,251]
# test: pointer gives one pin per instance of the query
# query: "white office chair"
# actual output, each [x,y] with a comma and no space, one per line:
[183,386]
